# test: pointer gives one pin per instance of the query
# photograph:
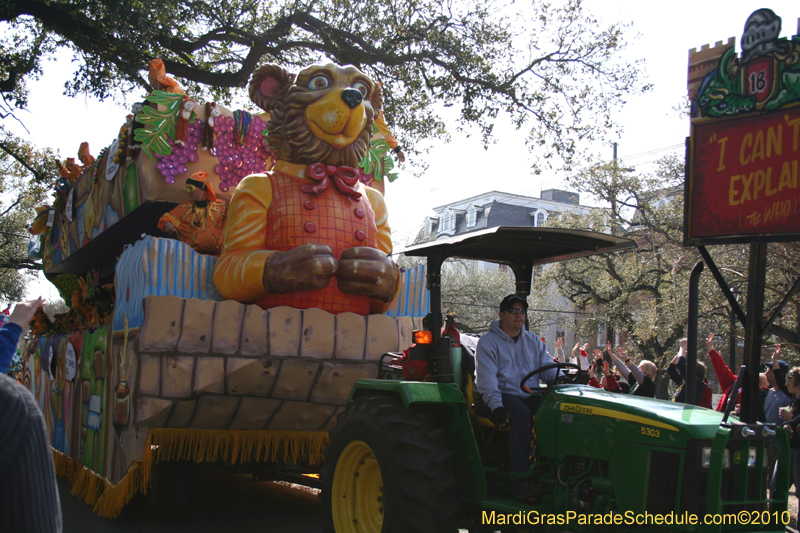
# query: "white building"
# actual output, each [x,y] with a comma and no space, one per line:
[495,208]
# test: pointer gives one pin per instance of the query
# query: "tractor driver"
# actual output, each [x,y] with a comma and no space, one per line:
[506,354]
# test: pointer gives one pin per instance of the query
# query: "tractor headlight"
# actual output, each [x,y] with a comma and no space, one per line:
[705,457]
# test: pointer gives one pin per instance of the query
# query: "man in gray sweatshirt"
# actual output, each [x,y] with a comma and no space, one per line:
[506,354]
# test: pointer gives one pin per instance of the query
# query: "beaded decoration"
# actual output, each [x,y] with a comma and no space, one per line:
[238,158]
[243,120]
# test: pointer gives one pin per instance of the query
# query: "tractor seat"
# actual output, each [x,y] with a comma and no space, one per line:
[476,409]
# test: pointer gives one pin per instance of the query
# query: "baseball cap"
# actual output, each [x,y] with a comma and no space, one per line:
[509,301]
[782,364]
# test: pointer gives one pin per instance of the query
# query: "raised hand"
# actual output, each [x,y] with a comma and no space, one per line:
[776,354]
[710,342]
[23,312]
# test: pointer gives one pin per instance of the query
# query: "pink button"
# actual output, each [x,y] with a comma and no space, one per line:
[360,235]
[359,212]
[310,205]
[310,227]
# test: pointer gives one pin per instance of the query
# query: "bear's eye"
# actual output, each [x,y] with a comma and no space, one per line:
[361,87]
[318,82]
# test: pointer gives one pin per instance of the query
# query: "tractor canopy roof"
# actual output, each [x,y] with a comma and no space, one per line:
[522,245]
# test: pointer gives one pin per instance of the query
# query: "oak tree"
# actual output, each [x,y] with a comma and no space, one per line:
[554,69]
[643,293]
[26,176]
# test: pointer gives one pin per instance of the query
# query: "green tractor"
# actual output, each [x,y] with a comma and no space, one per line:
[413,456]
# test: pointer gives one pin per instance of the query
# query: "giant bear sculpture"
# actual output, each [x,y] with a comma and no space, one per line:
[308,233]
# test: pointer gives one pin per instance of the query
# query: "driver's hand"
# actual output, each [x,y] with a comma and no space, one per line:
[527,389]
[501,419]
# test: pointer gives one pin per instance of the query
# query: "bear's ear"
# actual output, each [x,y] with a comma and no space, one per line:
[267,84]
[377,99]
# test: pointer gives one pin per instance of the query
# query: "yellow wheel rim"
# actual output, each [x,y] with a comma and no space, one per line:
[357,492]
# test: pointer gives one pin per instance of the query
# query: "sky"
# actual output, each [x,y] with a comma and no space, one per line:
[661,33]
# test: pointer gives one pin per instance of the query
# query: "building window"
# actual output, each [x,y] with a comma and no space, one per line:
[540,218]
[448,222]
[430,223]
[472,217]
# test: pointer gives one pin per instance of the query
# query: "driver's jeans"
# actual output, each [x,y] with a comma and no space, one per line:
[520,438]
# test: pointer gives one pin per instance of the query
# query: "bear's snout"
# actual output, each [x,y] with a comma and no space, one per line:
[352,98]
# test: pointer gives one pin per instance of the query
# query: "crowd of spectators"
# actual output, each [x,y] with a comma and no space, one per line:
[616,371]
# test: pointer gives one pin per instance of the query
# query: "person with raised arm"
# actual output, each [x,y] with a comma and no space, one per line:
[725,376]
[11,331]
[641,378]
[677,372]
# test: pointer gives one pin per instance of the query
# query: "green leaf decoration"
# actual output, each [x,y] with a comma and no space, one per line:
[380,146]
[158,125]
[369,162]
[388,166]
[377,160]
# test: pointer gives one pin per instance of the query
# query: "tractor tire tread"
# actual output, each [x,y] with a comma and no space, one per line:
[416,465]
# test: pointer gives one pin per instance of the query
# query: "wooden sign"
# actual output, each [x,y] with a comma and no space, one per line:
[744,178]
[742,182]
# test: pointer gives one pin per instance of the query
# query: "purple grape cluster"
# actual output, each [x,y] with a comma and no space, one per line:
[175,163]
[237,161]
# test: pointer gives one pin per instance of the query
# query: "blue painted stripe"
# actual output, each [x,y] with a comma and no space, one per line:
[174,269]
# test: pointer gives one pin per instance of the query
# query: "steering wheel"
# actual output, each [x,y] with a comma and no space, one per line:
[567,378]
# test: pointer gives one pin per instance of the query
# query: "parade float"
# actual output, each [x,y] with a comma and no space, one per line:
[227,277]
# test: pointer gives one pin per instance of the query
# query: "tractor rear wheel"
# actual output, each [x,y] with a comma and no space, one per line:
[387,470]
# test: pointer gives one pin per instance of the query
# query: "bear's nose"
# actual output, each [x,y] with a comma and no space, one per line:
[352,97]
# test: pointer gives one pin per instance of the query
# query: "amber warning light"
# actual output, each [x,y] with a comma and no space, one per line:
[422,336]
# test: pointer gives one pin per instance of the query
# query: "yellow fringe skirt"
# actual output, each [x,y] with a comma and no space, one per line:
[196,445]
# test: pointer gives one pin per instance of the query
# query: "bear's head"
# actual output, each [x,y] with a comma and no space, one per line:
[324,114]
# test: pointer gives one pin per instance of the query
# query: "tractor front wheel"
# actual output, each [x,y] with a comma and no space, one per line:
[387,470]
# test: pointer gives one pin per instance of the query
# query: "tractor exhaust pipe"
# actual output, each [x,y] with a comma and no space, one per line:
[691,336]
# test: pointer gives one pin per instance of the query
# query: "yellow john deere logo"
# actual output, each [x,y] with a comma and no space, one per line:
[611,413]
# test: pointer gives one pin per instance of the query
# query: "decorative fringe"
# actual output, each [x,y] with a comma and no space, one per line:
[196,445]
[107,498]
[87,486]
[238,445]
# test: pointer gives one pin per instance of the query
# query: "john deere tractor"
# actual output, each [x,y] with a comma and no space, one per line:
[413,456]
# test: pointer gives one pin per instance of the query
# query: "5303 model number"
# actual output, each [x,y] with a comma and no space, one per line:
[650,432]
